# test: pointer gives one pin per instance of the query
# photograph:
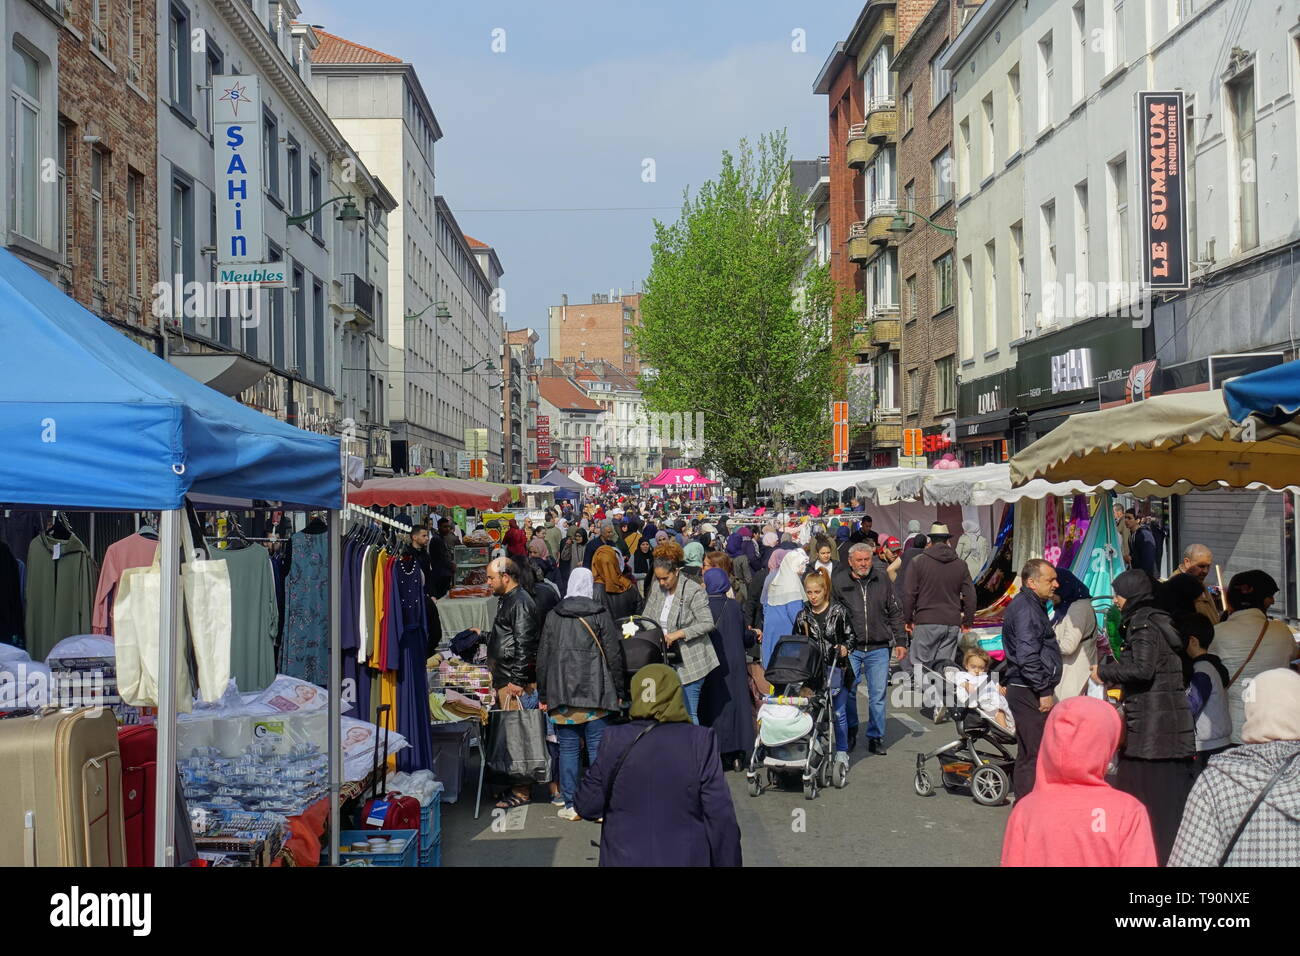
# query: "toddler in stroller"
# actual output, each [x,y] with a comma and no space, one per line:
[977,687]
[796,733]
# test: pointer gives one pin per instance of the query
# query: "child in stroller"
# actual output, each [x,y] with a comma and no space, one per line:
[976,687]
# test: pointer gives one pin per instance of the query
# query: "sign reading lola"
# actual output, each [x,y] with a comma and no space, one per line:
[1165,256]
[237,144]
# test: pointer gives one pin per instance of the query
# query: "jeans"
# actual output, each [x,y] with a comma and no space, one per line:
[692,693]
[873,667]
[570,737]
[840,696]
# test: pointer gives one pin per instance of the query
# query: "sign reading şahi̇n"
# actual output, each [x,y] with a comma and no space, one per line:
[1165,255]
[237,142]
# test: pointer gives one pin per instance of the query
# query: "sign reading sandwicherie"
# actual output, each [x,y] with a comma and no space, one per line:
[237,144]
[1165,255]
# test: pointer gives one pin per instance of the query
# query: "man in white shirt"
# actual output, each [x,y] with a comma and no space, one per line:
[1248,642]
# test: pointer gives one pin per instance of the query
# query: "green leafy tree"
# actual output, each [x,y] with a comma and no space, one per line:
[736,325]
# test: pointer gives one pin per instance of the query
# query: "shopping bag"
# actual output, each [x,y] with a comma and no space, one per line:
[137,603]
[206,585]
[517,745]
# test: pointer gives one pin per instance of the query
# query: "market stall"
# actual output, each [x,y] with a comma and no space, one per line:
[118,429]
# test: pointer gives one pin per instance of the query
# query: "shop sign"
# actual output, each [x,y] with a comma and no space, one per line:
[237,144]
[1163,194]
[1067,366]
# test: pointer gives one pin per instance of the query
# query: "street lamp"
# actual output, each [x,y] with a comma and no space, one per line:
[900,225]
[348,215]
[441,313]
[490,367]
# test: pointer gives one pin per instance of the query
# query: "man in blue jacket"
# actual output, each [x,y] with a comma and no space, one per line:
[1033,667]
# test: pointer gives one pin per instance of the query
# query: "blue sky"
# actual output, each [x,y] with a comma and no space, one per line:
[581,95]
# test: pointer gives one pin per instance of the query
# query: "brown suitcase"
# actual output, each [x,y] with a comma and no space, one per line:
[61,790]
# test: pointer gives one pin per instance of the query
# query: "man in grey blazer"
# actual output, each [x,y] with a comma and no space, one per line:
[681,607]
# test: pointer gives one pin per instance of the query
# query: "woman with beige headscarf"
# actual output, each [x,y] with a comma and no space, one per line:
[1244,809]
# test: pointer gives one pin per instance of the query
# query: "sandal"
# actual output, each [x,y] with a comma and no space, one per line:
[513,800]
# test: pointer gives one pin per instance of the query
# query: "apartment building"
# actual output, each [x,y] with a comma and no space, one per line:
[599,329]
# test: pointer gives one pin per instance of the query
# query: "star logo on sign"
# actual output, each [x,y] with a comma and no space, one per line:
[235,95]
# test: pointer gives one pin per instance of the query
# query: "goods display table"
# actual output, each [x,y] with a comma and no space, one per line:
[459,614]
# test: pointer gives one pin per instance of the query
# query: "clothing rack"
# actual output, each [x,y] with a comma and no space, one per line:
[376,516]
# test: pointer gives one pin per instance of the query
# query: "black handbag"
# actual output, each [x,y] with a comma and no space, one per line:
[516,746]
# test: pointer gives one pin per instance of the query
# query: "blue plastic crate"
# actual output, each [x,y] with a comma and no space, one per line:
[431,822]
[432,855]
[409,856]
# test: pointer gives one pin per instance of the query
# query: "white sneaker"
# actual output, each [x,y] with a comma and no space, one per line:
[568,813]
[841,757]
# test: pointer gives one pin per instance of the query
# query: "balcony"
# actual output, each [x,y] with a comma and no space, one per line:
[860,246]
[879,216]
[859,150]
[887,332]
[881,127]
[359,298]
[887,427]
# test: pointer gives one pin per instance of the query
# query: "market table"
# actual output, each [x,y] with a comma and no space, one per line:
[460,614]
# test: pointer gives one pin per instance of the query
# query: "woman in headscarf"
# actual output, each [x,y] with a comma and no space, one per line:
[911,549]
[575,543]
[643,562]
[725,703]
[1056,824]
[1266,764]
[973,548]
[767,544]
[1156,764]
[749,549]
[580,671]
[631,534]
[783,600]
[741,570]
[516,542]
[613,588]
[694,567]
[913,529]
[843,536]
[658,784]
[1075,624]
[539,559]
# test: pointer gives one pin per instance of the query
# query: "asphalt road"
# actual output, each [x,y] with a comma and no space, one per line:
[877,820]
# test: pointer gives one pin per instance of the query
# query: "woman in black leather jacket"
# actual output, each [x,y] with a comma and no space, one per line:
[826,619]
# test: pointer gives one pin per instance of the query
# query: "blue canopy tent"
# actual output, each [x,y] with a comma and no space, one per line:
[89,420]
[566,489]
[1271,394]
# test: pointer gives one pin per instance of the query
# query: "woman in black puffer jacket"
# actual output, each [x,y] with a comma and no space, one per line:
[1156,760]
[826,619]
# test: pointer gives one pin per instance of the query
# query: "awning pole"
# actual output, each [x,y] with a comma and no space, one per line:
[169,657]
[336,671]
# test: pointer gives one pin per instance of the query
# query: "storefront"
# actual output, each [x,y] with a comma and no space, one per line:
[986,418]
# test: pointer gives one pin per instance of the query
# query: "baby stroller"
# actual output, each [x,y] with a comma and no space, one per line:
[963,766]
[796,733]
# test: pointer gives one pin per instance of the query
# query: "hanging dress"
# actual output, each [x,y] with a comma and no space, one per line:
[408,640]
[306,619]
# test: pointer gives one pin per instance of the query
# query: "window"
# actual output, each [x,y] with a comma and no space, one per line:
[100,24]
[178,59]
[97,177]
[1078,51]
[132,42]
[182,231]
[887,383]
[271,154]
[990,136]
[1047,220]
[1114,16]
[943,282]
[907,110]
[1017,291]
[1119,227]
[963,157]
[276,298]
[883,274]
[1081,235]
[1241,97]
[913,393]
[967,307]
[299,306]
[1013,110]
[909,296]
[945,373]
[941,178]
[314,196]
[25,144]
[990,295]
[63,158]
[909,199]
[293,170]
[1045,79]
[940,82]
[213,65]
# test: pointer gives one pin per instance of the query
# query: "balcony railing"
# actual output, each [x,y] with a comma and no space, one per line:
[880,103]
[860,248]
[858,150]
[359,295]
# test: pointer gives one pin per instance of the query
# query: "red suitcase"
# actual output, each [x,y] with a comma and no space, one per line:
[139,747]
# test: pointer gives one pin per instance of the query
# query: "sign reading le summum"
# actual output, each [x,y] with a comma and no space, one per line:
[1164,196]
[237,144]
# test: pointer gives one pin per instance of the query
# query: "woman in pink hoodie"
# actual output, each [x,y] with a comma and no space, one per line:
[1073,817]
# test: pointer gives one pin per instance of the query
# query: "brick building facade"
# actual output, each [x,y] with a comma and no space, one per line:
[926,259]
[600,329]
[106,159]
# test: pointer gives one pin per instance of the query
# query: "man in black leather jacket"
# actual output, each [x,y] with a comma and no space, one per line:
[512,642]
[863,586]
